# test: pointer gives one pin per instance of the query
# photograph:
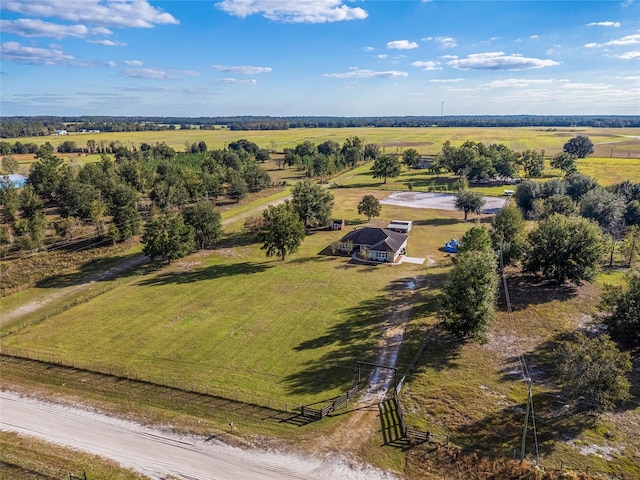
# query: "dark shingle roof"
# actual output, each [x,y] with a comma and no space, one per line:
[379,239]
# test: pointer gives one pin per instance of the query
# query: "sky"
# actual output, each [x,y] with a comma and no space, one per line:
[211,58]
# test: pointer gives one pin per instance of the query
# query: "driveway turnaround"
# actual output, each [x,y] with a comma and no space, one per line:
[158,454]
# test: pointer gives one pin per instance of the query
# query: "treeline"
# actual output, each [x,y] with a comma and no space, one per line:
[11,127]
[109,195]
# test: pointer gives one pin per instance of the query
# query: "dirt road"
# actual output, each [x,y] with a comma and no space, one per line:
[158,454]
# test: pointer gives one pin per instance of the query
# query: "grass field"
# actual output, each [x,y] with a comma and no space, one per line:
[285,330]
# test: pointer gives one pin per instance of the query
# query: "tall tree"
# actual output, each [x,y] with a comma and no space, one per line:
[168,237]
[385,166]
[312,202]
[508,234]
[566,162]
[532,163]
[476,238]
[469,201]
[579,146]
[468,301]
[369,206]
[565,248]
[411,157]
[605,207]
[595,371]
[621,309]
[282,231]
[352,151]
[206,223]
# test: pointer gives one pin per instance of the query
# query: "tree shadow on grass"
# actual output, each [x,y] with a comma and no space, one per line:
[207,273]
[437,222]
[500,432]
[355,339]
[526,290]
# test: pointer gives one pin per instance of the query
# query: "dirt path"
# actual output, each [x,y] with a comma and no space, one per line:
[85,283]
[364,421]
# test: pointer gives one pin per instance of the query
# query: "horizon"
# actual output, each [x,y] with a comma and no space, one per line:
[319,58]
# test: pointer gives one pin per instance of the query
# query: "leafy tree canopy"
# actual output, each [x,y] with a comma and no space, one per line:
[468,302]
[565,248]
[579,146]
[469,201]
[312,202]
[282,230]
[369,206]
[594,370]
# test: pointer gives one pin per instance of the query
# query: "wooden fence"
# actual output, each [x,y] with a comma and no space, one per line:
[413,434]
[341,401]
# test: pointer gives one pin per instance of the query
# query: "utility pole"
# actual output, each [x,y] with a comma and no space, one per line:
[526,424]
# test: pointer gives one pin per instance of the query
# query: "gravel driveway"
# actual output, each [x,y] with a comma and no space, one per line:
[438,201]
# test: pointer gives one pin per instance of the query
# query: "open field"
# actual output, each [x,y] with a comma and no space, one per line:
[285,330]
[609,142]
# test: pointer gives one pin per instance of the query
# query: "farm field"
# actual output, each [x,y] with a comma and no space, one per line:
[608,142]
[231,322]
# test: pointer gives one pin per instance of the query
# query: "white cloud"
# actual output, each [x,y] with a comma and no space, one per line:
[402,45]
[382,56]
[587,86]
[500,61]
[603,24]
[134,63]
[294,11]
[158,74]
[534,37]
[517,83]
[368,49]
[427,65]
[112,64]
[16,53]
[122,13]
[630,55]
[37,28]
[627,40]
[235,81]
[446,80]
[242,69]
[363,73]
[109,43]
[444,42]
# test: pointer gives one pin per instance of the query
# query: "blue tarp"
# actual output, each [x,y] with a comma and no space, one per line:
[452,246]
[18,180]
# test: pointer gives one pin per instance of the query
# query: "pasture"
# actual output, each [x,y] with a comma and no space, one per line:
[289,331]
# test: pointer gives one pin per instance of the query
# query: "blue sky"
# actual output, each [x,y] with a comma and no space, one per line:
[319,57]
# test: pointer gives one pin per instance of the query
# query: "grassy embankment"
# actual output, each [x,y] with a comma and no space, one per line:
[26,457]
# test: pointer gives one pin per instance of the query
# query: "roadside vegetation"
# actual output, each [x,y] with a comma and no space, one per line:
[216,315]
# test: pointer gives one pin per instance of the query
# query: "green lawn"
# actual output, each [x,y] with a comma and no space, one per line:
[230,318]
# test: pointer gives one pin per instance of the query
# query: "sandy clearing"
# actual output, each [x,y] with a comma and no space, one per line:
[438,201]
